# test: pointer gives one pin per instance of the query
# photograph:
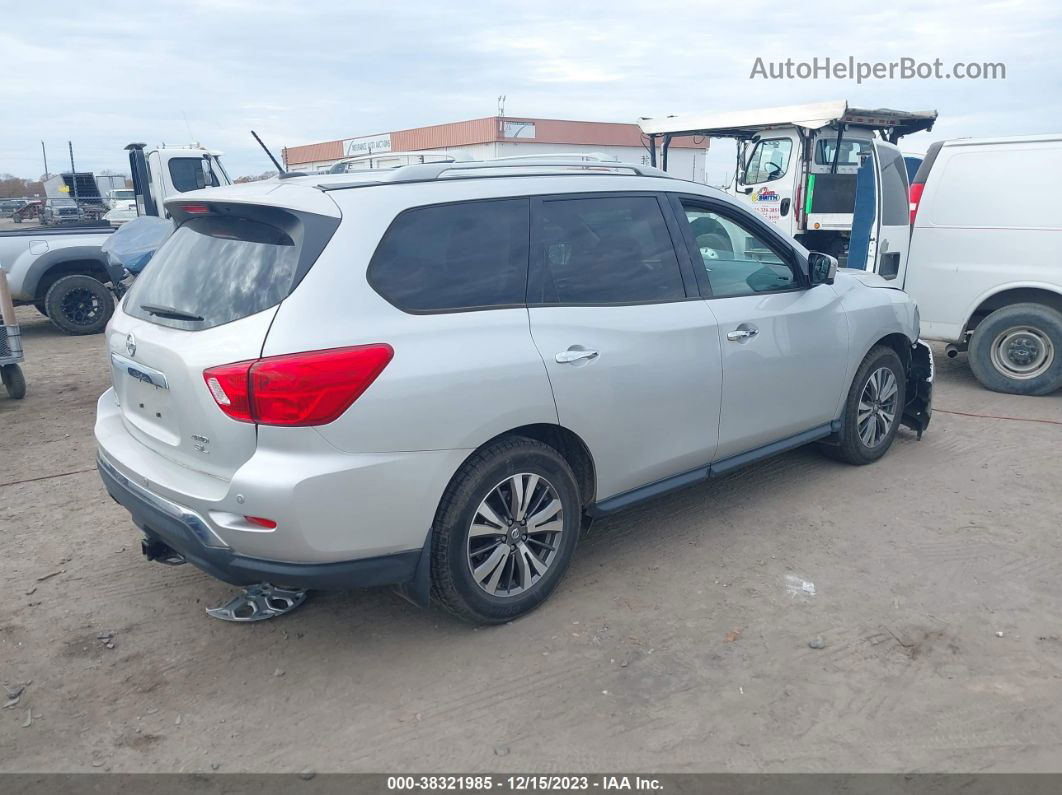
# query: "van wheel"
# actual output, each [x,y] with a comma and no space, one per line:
[873,409]
[1018,349]
[79,305]
[505,531]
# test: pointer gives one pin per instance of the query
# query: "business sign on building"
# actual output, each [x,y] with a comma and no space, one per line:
[518,129]
[367,145]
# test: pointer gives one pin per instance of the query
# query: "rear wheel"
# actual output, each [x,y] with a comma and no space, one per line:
[79,304]
[505,531]
[873,409]
[1018,349]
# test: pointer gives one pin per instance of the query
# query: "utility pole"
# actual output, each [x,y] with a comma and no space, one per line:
[73,171]
[44,152]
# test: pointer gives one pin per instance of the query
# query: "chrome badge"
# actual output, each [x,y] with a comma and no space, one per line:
[130,345]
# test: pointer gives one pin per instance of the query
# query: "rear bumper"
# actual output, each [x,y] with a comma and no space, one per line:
[185,532]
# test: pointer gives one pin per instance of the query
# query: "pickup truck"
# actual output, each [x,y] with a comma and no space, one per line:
[64,273]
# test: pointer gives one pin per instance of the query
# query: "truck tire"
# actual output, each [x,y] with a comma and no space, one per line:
[872,410]
[1018,349]
[505,531]
[79,304]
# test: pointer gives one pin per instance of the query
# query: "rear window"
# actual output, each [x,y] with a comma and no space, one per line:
[213,271]
[447,257]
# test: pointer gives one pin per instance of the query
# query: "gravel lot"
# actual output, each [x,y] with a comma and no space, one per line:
[673,644]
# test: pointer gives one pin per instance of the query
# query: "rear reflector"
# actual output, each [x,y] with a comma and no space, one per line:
[298,389]
[269,524]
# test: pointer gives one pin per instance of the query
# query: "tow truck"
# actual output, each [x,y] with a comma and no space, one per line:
[799,167]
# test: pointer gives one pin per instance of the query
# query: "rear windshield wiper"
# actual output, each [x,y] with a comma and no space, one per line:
[169,312]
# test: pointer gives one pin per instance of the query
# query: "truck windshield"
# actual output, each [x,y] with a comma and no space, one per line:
[851,151]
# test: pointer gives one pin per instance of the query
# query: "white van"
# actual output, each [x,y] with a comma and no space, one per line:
[985,262]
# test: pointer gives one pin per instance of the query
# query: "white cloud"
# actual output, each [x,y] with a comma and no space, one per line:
[300,73]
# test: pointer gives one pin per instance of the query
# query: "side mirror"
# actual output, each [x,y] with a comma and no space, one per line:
[822,268]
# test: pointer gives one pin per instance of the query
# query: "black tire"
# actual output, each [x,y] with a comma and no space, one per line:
[454,586]
[852,448]
[14,381]
[79,304]
[1007,345]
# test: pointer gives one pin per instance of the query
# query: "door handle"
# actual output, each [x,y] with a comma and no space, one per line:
[575,355]
[744,332]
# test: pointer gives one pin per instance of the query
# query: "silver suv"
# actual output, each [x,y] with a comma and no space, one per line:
[434,376]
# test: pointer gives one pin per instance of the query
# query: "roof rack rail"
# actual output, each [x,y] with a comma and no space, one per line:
[599,157]
[426,172]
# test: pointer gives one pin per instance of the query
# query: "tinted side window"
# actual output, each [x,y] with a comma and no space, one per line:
[608,250]
[454,256]
[769,161]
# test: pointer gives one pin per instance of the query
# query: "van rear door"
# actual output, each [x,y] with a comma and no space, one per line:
[881,230]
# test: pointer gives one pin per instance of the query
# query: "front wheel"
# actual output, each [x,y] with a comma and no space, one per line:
[505,531]
[1018,349]
[872,410]
[79,304]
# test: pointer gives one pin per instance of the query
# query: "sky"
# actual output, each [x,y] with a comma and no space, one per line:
[103,74]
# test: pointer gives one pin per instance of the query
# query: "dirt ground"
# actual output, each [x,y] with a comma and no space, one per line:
[677,642]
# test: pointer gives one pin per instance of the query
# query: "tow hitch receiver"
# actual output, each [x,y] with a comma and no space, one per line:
[259,602]
[160,553]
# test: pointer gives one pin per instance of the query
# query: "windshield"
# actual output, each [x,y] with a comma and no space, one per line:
[851,151]
[212,271]
[124,194]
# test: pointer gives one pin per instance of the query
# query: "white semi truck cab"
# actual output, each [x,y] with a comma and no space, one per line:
[166,171]
[798,166]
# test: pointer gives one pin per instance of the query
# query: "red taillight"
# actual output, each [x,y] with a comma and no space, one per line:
[230,387]
[268,524]
[312,388]
[194,209]
[916,197]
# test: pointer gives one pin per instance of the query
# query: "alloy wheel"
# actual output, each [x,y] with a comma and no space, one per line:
[877,407]
[514,535]
[81,307]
